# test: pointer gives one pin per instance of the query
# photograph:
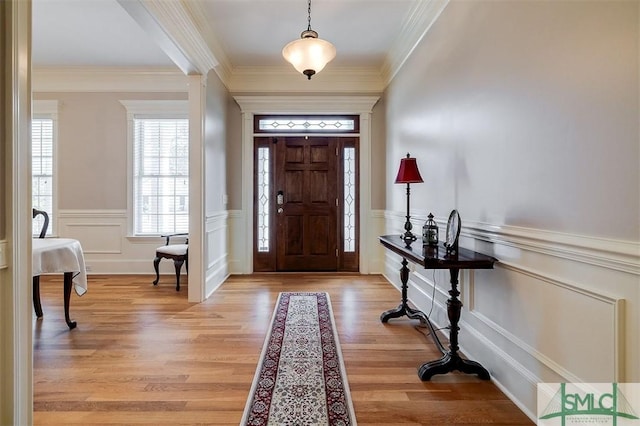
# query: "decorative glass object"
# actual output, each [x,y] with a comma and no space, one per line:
[430,232]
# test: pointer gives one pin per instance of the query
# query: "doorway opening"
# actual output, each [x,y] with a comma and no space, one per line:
[305,193]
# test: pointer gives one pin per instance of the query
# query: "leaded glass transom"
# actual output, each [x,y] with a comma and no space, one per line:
[263,199]
[327,124]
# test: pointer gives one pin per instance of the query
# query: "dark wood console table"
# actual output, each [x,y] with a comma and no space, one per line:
[438,258]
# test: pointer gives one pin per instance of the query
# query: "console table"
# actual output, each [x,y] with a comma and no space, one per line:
[438,258]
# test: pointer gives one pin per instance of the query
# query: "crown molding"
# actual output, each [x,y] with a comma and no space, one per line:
[108,79]
[287,80]
[199,16]
[181,29]
[156,107]
[44,107]
[415,27]
[342,80]
[240,80]
[171,25]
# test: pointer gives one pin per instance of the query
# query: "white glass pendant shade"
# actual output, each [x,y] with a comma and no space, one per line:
[309,54]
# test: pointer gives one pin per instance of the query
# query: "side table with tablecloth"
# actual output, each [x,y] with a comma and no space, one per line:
[59,255]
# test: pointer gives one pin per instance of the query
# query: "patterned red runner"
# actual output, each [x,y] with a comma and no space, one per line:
[301,379]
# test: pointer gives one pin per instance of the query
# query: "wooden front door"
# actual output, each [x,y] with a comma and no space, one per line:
[306,204]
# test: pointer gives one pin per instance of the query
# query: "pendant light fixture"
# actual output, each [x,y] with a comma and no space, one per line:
[309,54]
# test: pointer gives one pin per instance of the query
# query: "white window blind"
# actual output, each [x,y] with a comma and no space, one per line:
[42,171]
[161,176]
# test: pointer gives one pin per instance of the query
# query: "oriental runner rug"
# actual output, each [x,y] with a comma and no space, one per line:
[300,379]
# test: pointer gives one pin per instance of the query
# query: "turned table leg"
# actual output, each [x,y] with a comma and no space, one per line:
[405,309]
[451,359]
[68,285]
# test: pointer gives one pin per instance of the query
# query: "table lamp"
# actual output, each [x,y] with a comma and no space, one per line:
[408,173]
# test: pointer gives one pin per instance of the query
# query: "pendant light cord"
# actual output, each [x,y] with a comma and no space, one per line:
[309,16]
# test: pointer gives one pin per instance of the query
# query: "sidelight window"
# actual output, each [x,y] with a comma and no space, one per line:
[263,199]
[349,200]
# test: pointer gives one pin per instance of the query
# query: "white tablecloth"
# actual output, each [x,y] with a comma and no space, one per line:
[60,255]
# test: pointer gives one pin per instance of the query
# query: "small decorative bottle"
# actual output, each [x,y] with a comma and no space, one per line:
[430,232]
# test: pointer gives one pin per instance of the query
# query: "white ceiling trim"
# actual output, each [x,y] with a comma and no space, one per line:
[416,26]
[186,24]
[287,80]
[198,15]
[180,29]
[172,26]
[93,79]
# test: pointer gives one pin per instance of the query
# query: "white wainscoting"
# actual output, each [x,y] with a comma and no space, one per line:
[107,247]
[376,250]
[556,307]
[216,258]
[109,250]
[237,236]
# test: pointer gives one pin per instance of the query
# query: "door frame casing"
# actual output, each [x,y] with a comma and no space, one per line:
[16,325]
[271,260]
[300,105]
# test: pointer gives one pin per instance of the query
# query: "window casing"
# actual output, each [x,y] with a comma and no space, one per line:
[159,172]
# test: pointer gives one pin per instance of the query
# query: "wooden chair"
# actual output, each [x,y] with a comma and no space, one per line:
[178,252]
[37,306]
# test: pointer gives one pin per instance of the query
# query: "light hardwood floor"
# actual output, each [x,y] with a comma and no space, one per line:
[144,355]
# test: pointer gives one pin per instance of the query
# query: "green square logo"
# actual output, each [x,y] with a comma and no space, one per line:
[588,404]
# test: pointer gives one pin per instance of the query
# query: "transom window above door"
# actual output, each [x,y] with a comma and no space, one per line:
[307,124]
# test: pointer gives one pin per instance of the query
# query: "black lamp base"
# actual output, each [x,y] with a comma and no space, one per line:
[408,236]
[408,239]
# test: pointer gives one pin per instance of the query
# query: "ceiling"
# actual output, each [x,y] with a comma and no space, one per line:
[246,33]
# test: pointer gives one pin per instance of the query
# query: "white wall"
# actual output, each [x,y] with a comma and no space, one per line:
[91,184]
[216,258]
[92,179]
[524,117]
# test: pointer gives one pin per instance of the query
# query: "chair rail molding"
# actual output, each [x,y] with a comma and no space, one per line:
[623,256]
[555,306]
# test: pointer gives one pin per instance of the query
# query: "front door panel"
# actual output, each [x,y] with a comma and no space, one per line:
[306,221]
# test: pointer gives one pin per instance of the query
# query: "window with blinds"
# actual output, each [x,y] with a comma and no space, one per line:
[42,171]
[161,176]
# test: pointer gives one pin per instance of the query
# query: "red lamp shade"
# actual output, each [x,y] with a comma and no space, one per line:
[408,172]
